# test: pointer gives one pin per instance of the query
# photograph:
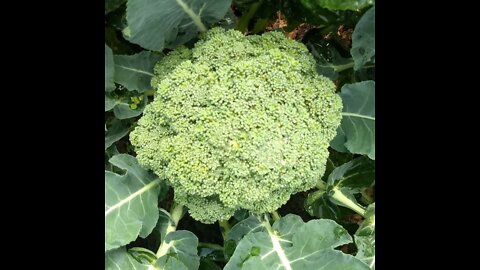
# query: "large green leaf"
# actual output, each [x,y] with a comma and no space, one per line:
[291,244]
[241,214]
[160,24]
[122,105]
[344,175]
[164,220]
[233,237]
[143,255]
[122,109]
[109,103]
[115,132]
[337,4]
[130,202]
[109,153]
[329,60]
[246,226]
[111,5]
[318,204]
[109,69]
[178,249]
[365,238]
[334,160]
[169,263]
[356,133]
[363,40]
[181,251]
[120,259]
[348,179]
[355,175]
[135,71]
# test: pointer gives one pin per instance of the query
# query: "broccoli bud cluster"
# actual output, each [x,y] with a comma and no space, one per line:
[238,122]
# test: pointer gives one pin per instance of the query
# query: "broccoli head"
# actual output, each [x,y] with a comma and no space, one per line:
[238,122]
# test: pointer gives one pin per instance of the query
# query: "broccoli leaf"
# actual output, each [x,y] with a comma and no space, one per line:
[181,253]
[130,202]
[110,152]
[365,238]
[135,71]
[337,4]
[334,160]
[170,263]
[143,255]
[109,103]
[329,60]
[241,214]
[122,109]
[356,133]
[246,226]
[164,220]
[318,204]
[120,259]
[115,132]
[363,40]
[292,244]
[122,105]
[109,70]
[160,24]
[355,175]
[111,5]
[347,180]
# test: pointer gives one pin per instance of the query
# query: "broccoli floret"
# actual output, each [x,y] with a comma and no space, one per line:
[173,59]
[238,122]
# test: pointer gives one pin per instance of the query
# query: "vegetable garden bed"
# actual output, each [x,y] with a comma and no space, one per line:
[239,134]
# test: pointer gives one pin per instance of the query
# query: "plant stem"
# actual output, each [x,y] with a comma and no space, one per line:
[224,227]
[340,197]
[176,212]
[260,26]
[243,22]
[321,185]
[314,196]
[368,66]
[150,92]
[340,68]
[266,222]
[276,216]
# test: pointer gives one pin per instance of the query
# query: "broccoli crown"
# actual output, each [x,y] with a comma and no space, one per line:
[238,122]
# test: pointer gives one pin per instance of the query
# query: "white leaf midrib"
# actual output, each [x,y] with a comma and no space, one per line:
[358,115]
[195,18]
[135,70]
[133,196]
[280,253]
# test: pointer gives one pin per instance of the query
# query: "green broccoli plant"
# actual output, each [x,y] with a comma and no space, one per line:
[238,122]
